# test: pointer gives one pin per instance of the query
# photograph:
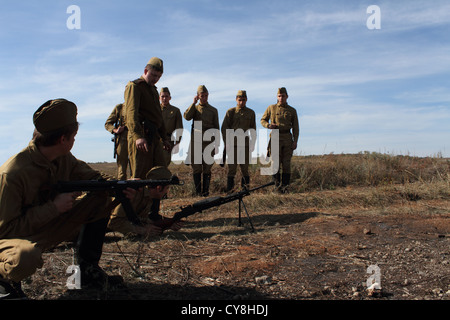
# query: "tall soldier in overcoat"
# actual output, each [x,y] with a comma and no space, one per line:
[147,134]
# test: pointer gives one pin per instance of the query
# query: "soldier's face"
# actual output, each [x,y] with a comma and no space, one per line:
[159,192]
[152,76]
[164,98]
[203,96]
[67,143]
[241,102]
[282,98]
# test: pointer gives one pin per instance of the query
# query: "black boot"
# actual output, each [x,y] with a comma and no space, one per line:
[245,182]
[206,182]
[285,180]
[276,179]
[89,251]
[198,183]
[10,290]
[230,183]
[154,210]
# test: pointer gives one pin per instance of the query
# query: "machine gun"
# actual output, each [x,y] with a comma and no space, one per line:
[211,203]
[116,136]
[115,187]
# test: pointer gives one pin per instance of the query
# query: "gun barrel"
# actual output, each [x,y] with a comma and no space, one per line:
[107,185]
[262,186]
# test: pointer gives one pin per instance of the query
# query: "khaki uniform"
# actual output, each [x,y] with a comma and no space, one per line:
[286,118]
[209,118]
[29,221]
[142,205]
[239,118]
[117,117]
[172,121]
[142,103]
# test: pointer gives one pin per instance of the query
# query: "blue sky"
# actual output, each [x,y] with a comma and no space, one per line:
[355,89]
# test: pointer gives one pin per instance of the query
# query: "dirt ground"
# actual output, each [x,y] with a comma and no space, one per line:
[294,253]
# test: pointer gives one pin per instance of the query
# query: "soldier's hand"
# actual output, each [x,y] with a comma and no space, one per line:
[141,144]
[294,145]
[130,193]
[196,99]
[272,126]
[148,230]
[176,226]
[119,130]
[64,201]
[167,145]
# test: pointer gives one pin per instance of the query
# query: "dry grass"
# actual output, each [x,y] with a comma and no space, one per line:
[363,180]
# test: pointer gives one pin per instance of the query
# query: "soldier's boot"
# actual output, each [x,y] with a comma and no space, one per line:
[245,182]
[10,290]
[89,251]
[198,183]
[276,179]
[206,182]
[154,210]
[285,180]
[230,183]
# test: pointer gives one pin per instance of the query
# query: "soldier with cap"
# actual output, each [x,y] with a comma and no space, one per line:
[142,205]
[283,117]
[173,121]
[147,134]
[239,136]
[34,219]
[115,124]
[205,118]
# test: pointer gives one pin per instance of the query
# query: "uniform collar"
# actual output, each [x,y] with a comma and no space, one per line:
[37,157]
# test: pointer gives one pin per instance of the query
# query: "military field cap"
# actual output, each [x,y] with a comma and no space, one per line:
[157,63]
[159,173]
[165,89]
[201,89]
[55,114]
[242,93]
[282,90]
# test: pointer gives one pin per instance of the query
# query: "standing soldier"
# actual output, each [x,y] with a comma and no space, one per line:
[204,117]
[145,124]
[173,122]
[115,124]
[283,117]
[239,145]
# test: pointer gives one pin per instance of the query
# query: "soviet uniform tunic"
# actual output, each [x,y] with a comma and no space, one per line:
[172,121]
[239,118]
[118,116]
[209,118]
[29,221]
[286,118]
[142,103]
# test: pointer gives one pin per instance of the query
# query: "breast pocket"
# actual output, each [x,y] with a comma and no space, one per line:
[245,122]
[207,119]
